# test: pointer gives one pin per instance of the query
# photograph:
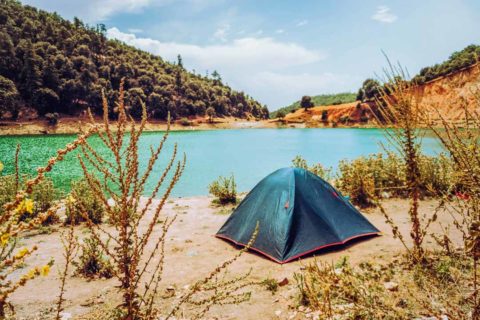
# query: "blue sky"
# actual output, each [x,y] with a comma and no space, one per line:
[277,51]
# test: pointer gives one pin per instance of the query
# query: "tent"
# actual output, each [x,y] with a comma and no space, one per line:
[298,213]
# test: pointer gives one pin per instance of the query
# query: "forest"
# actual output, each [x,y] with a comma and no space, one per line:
[51,65]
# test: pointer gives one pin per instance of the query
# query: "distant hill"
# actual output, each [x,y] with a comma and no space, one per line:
[51,65]
[320,100]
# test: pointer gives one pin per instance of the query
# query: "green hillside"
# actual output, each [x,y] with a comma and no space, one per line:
[53,65]
[320,100]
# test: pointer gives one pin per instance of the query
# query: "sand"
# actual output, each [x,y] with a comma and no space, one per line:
[193,251]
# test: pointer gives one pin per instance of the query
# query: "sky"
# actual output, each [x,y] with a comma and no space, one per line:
[276,51]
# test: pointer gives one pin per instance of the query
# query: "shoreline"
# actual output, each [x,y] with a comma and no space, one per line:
[75,126]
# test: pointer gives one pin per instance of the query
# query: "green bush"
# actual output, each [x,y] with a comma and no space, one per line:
[93,262]
[318,169]
[83,201]
[224,189]
[382,175]
[7,190]
[42,198]
[44,195]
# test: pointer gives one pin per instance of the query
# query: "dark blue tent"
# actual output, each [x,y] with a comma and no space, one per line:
[298,213]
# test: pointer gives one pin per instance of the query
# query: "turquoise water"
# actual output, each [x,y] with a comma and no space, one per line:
[250,154]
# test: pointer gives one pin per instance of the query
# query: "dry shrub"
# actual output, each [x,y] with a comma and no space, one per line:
[135,241]
[397,290]
[398,108]
[462,141]
[224,189]
[11,226]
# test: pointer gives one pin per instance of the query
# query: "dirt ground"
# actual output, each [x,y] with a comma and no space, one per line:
[192,252]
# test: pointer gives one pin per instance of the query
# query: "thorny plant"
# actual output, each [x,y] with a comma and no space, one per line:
[462,141]
[70,249]
[11,226]
[399,115]
[135,247]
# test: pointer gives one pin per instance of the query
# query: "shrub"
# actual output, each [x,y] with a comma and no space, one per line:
[224,189]
[372,290]
[281,114]
[325,115]
[93,262]
[84,203]
[7,190]
[52,118]
[318,169]
[378,175]
[185,122]
[41,199]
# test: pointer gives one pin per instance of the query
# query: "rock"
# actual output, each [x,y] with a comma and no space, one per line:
[391,286]
[65,315]
[192,253]
[284,282]
[385,195]
[278,313]
[292,315]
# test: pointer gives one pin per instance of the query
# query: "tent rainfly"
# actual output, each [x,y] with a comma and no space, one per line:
[298,213]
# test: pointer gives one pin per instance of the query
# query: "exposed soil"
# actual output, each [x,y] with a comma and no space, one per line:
[192,252]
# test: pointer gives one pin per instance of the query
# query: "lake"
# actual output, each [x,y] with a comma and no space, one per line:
[250,154]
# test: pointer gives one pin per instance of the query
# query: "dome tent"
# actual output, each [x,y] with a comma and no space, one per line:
[298,213]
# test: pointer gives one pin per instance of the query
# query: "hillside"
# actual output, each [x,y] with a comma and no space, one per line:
[319,100]
[444,95]
[51,65]
[442,88]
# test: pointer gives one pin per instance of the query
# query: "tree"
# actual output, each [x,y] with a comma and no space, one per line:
[210,113]
[45,100]
[180,61]
[370,90]
[325,115]
[281,114]
[74,62]
[306,102]
[8,97]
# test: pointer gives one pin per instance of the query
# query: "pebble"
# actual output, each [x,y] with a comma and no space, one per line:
[65,315]
[391,286]
[278,313]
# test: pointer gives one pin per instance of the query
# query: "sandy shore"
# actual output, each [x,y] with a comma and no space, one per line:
[74,125]
[192,252]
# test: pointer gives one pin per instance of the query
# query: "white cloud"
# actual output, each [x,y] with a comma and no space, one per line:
[302,23]
[257,65]
[222,33]
[135,30]
[245,53]
[383,14]
[279,31]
